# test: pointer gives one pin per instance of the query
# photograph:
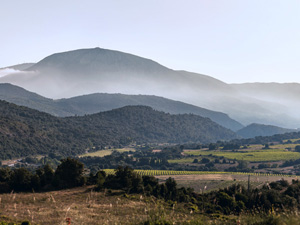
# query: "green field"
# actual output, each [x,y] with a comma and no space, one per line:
[102,153]
[292,140]
[275,153]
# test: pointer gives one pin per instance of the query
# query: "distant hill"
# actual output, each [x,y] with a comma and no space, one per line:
[94,103]
[254,130]
[284,97]
[271,91]
[22,97]
[25,131]
[97,70]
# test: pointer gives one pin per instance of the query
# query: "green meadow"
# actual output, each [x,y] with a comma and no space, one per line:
[252,154]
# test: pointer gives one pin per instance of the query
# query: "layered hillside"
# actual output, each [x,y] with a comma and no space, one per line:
[94,103]
[87,71]
[24,131]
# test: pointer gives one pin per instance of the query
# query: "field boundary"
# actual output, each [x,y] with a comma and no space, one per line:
[174,172]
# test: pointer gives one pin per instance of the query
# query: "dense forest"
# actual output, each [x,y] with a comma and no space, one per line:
[24,131]
[254,130]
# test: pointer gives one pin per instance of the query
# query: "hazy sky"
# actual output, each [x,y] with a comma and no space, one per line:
[232,40]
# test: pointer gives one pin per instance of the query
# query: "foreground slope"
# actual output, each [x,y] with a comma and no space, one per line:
[94,103]
[24,131]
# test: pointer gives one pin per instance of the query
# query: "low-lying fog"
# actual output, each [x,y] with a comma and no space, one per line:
[239,102]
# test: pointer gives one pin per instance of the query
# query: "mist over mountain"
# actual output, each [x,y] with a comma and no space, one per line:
[87,71]
[19,67]
[94,103]
[22,97]
[25,131]
[254,130]
[287,94]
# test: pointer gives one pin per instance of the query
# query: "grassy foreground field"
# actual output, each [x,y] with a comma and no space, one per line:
[84,206]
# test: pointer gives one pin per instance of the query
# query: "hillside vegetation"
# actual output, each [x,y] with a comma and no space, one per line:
[94,103]
[254,130]
[24,131]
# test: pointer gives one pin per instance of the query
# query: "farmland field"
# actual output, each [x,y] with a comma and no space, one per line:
[275,153]
[102,153]
[206,173]
[292,140]
[209,181]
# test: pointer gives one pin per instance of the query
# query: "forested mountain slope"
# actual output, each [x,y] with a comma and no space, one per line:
[24,131]
[254,130]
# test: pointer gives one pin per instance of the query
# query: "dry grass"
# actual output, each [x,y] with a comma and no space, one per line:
[84,206]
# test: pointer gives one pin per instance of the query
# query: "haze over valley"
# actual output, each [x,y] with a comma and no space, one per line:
[97,70]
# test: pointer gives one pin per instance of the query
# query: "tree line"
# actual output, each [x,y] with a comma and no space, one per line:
[279,196]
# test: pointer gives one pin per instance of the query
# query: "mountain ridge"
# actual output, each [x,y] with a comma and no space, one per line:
[99,102]
[21,67]
[88,71]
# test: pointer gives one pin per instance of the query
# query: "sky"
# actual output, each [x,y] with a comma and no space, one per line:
[232,40]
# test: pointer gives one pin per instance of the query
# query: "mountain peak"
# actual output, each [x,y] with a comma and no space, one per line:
[96,61]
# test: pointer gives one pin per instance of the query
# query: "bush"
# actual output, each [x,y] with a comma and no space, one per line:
[205,160]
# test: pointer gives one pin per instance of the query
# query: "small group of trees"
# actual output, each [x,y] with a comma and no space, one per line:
[68,174]
[139,159]
[279,196]
[127,180]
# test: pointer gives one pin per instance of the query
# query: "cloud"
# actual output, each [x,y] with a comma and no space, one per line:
[8,71]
